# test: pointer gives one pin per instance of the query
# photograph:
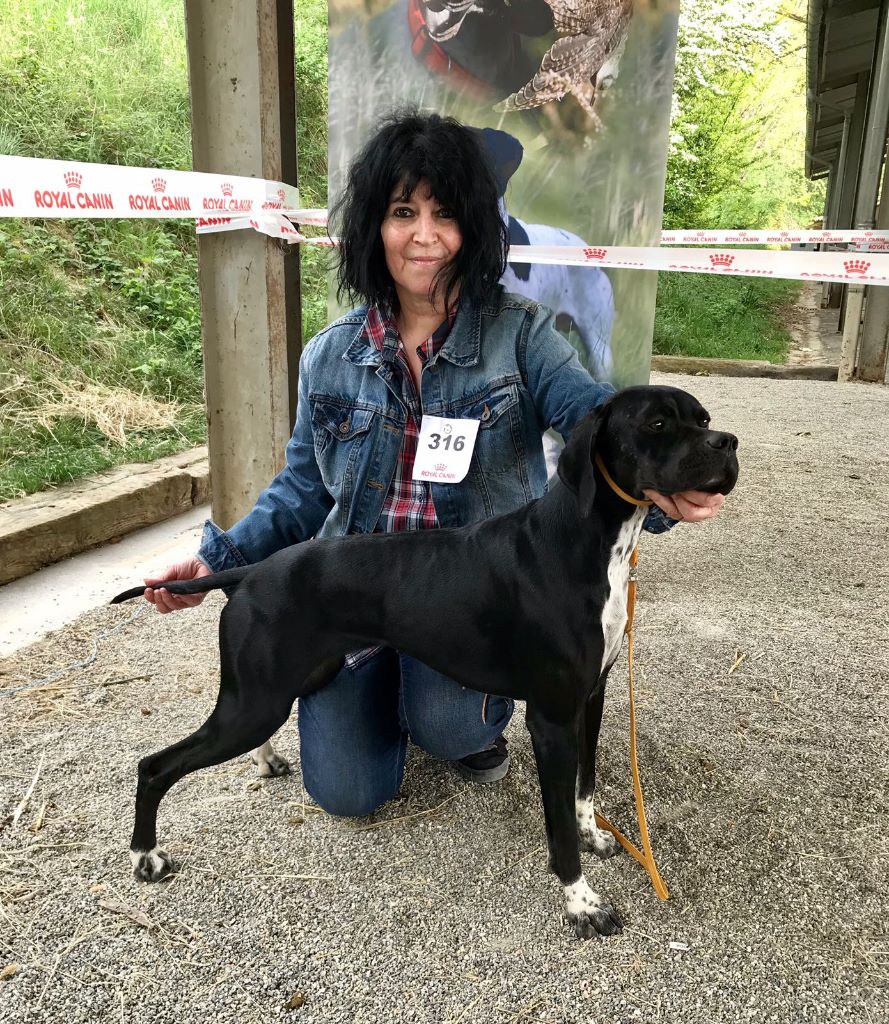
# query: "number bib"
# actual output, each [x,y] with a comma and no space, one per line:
[444,449]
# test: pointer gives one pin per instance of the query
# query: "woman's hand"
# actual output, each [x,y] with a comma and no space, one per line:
[162,599]
[688,506]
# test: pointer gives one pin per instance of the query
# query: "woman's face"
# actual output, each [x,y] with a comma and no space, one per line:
[420,237]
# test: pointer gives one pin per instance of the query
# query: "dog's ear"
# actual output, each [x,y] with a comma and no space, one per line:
[576,461]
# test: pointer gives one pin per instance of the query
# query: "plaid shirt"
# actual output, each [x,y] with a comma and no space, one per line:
[408,504]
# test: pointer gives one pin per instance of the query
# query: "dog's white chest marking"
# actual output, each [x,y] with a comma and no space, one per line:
[614,613]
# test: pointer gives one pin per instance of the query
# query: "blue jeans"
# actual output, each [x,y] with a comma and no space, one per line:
[353,734]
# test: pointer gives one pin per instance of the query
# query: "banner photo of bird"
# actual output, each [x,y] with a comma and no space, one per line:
[572,102]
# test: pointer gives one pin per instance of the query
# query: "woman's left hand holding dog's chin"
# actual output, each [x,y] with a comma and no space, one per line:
[688,506]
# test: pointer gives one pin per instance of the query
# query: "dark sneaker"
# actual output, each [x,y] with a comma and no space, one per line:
[487,765]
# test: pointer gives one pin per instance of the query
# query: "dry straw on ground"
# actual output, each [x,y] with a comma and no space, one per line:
[61,390]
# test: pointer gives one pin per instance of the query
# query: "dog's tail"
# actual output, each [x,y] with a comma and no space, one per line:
[226,578]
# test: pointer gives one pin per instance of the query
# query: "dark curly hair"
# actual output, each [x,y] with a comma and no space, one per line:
[410,146]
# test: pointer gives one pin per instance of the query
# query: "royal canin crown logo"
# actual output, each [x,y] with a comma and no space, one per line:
[278,203]
[595,253]
[856,265]
[158,199]
[722,259]
[74,198]
[440,467]
[228,204]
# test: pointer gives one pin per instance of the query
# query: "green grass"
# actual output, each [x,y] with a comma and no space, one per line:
[89,306]
[722,317]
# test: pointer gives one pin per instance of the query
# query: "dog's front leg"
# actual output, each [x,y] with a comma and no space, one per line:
[268,762]
[598,840]
[555,748]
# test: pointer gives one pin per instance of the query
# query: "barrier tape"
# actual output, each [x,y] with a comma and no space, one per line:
[31,187]
[775,237]
[842,267]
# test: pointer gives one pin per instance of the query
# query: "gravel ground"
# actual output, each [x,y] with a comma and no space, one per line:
[762,674]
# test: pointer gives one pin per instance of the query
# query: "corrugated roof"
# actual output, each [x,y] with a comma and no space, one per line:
[842,36]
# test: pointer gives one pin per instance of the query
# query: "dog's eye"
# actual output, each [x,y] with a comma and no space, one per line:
[704,421]
[657,425]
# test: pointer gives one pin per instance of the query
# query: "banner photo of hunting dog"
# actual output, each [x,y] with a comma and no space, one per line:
[572,101]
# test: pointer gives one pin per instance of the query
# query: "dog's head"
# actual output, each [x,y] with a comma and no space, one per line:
[650,438]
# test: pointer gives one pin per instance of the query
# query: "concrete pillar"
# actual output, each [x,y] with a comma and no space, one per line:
[872,157]
[873,342]
[241,72]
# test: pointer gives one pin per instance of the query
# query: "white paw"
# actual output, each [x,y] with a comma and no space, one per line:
[151,865]
[588,913]
[268,762]
[270,767]
[599,841]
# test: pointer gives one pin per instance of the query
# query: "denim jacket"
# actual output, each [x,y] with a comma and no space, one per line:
[503,363]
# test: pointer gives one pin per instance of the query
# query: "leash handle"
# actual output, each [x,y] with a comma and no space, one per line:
[646,858]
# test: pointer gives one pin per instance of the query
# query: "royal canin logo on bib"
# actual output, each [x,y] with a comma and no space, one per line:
[440,467]
[856,266]
[159,200]
[595,253]
[722,260]
[228,203]
[75,198]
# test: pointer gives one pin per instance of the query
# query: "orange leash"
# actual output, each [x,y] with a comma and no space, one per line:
[646,858]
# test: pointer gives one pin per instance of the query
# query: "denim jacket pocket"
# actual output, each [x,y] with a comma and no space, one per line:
[339,433]
[490,406]
[334,422]
[498,446]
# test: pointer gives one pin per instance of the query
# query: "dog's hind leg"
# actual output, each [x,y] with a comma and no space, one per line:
[555,748]
[233,728]
[268,761]
[598,840]
[239,722]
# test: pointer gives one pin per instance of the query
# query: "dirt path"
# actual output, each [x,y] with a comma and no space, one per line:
[816,341]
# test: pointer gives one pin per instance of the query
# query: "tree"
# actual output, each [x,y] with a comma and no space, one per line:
[737,133]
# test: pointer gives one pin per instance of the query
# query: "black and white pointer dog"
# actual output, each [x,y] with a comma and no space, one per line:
[530,605]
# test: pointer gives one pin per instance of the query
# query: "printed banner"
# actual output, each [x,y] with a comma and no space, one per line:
[572,103]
